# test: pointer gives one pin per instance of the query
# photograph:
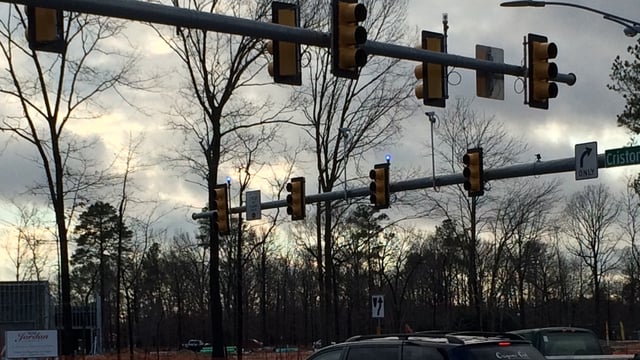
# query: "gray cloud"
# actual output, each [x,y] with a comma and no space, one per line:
[583,112]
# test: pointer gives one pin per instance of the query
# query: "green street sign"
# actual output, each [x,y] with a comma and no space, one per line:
[622,156]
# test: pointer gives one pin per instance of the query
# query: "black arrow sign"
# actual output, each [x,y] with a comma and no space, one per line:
[586,152]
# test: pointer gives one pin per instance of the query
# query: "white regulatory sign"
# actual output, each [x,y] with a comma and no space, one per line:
[377,306]
[254,209]
[587,161]
[32,344]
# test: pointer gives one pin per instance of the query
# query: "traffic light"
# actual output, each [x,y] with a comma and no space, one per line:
[379,187]
[347,37]
[45,30]
[285,67]
[473,172]
[433,78]
[541,71]
[295,200]
[221,206]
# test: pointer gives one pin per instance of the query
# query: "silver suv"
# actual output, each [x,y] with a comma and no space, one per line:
[431,346]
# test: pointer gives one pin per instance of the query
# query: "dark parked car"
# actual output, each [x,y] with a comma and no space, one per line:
[431,346]
[556,341]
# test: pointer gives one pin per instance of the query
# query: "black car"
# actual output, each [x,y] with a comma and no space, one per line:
[559,341]
[431,346]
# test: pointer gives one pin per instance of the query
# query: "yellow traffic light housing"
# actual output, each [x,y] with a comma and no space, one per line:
[473,172]
[221,217]
[433,78]
[45,30]
[285,67]
[541,71]
[296,206]
[379,187]
[347,38]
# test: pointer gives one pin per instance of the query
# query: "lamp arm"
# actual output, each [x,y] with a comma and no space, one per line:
[632,25]
[608,16]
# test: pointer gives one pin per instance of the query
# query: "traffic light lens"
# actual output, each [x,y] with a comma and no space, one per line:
[552,70]
[552,50]
[360,12]
[553,90]
[352,12]
[360,57]
[360,35]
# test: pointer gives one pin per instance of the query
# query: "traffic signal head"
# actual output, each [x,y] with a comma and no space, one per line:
[45,31]
[541,71]
[473,172]
[379,187]
[221,206]
[295,199]
[431,89]
[347,38]
[285,67]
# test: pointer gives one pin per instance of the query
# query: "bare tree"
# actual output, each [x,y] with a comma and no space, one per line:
[517,222]
[591,215]
[252,151]
[347,118]
[31,246]
[630,223]
[50,90]
[212,108]
[461,128]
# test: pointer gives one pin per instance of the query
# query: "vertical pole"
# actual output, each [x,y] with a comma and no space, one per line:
[345,139]
[445,28]
[476,298]
[432,120]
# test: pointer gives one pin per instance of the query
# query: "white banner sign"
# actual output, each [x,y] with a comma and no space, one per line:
[32,343]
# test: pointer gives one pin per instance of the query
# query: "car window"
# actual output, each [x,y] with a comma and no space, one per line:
[327,355]
[571,343]
[373,352]
[511,352]
[415,352]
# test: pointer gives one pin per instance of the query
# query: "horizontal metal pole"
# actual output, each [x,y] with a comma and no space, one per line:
[518,170]
[189,18]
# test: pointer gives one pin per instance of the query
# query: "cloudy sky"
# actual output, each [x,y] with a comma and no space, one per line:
[587,45]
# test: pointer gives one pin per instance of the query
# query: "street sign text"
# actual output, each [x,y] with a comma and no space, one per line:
[622,156]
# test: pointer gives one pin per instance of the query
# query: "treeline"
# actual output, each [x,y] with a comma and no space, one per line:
[524,278]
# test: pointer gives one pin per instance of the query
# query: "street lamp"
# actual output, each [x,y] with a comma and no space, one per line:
[631,28]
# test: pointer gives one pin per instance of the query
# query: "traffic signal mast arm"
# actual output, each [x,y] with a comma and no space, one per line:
[519,170]
[176,16]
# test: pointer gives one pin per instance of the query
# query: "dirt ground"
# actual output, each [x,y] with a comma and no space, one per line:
[625,347]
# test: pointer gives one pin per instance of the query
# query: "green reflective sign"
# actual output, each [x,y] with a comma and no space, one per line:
[622,156]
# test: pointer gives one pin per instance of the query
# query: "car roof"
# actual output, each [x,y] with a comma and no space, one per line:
[444,341]
[439,337]
[552,329]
